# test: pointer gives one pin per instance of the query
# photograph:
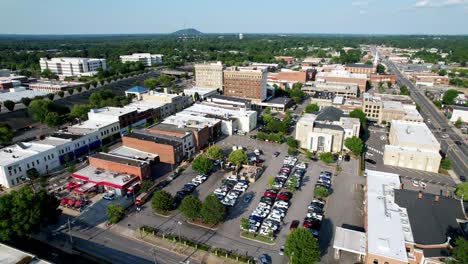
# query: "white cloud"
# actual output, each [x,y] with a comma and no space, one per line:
[432,4]
[361,3]
[362,12]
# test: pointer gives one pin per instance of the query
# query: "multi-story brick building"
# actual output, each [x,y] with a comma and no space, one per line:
[114,163]
[360,68]
[383,78]
[248,83]
[209,75]
[287,78]
[289,60]
[429,79]
[170,149]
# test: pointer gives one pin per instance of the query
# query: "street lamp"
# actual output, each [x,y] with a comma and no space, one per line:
[179,223]
[153,253]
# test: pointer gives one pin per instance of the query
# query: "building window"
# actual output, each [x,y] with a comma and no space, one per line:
[376,261]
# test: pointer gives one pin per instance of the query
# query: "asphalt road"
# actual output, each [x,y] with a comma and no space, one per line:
[457,154]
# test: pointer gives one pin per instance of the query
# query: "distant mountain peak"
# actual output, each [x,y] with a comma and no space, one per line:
[187,31]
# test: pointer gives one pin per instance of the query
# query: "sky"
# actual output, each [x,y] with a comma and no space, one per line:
[239,16]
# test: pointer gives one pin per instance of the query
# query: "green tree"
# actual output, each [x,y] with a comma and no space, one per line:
[404,90]
[162,202]
[214,152]
[70,91]
[458,123]
[38,109]
[292,151]
[6,133]
[312,108]
[460,251]
[61,94]
[196,96]
[80,111]
[291,142]
[292,183]
[191,207]
[355,145]
[26,101]
[22,212]
[245,224]
[52,119]
[146,185]
[276,126]
[10,105]
[79,88]
[321,192]
[446,164]
[267,110]
[32,174]
[442,72]
[462,190]
[202,165]
[326,157]
[150,83]
[271,181]
[302,247]
[115,213]
[359,114]
[449,97]
[380,69]
[238,157]
[212,211]
[51,96]
[48,74]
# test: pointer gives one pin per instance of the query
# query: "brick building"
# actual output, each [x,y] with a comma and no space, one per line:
[339,76]
[289,60]
[246,83]
[170,149]
[360,68]
[383,78]
[199,136]
[119,164]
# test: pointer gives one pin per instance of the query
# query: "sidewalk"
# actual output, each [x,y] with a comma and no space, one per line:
[454,176]
[173,247]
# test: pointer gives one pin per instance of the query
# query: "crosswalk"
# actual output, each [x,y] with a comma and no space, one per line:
[375,150]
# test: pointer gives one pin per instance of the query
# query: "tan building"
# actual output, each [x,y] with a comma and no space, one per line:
[209,75]
[347,90]
[412,145]
[249,83]
[342,76]
[360,68]
[171,103]
[384,108]
[327,131]
[430,79]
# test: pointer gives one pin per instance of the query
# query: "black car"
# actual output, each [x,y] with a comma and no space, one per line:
[458,142]
[347,158]
[462,178]
[267,200]
[189,187]
[276,154]
[371,161]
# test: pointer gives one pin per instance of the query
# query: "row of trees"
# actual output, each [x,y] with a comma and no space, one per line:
[162,80]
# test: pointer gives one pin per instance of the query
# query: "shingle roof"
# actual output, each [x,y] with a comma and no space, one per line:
[432,222]
[137,89]
[330,114]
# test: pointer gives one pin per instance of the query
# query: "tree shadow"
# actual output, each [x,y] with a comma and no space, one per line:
[240,207]
[326,235]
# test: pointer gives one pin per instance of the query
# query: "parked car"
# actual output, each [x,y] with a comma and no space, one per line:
[276,154]
[173,176]
[109,196]
[373,162]
[347,158]
[258,152]
[294,225]
[285,196]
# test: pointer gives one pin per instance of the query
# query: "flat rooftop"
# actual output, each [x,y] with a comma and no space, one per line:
[279,100]
[393,106]
[310,118]
[20,151]
[17,95]
[190,119]
[11,255]
[111,111]
[119,159]
[89,126]
[218,110]
[53,141]
[388,226]
[142,134]
[171,128]
[229,98]
[350,240]
[132,153]
[413,132]
[199,90]
[95,175]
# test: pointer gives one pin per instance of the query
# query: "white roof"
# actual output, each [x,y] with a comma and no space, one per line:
[132,153]
[341,74]
[141,106]
[111,111]
[17,95]
[409,132]
[350,240]
[89,126]
[200,90]
[221,111]
[10,255]
[308,118]
[102,176]
[393,105]
[21,151]
[385,233]
[53,141]
[190,119]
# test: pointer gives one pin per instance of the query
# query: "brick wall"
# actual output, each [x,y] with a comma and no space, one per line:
[141,172]
[167,153]
[360,82]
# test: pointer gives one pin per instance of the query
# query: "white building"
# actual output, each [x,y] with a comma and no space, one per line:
[327,131]
[53,86]
[412,145]
[209,75]
[232,118]
[201,91]
[65,67]
[459,112]
[146,58]
[15,94]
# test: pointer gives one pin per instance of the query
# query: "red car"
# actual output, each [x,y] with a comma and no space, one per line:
[71,185]
[71,202]
[285,196]
[311,224]
[64,201]
[271,193]
[79,203]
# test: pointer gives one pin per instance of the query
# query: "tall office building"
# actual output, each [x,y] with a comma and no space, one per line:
[146,58]
[209,75]
[249,83]
[73,66]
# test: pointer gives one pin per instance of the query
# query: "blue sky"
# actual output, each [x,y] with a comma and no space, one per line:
[246,16]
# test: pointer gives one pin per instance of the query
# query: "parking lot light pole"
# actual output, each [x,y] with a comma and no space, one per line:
[179,223]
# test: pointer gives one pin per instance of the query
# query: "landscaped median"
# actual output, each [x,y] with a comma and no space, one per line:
[187,247]
[259,238]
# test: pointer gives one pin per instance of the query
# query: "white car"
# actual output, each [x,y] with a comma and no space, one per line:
[445,136]
[324,180]
[275,217]
[220,191]
[240,188]
[257,152]
[315,215]
[415,183]
[281,204]
[265,231]
[228,202]
[278,212]
[422,184]
[234,148]
[301,166]
[232,195]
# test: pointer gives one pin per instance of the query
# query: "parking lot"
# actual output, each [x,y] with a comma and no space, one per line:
[227,235]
